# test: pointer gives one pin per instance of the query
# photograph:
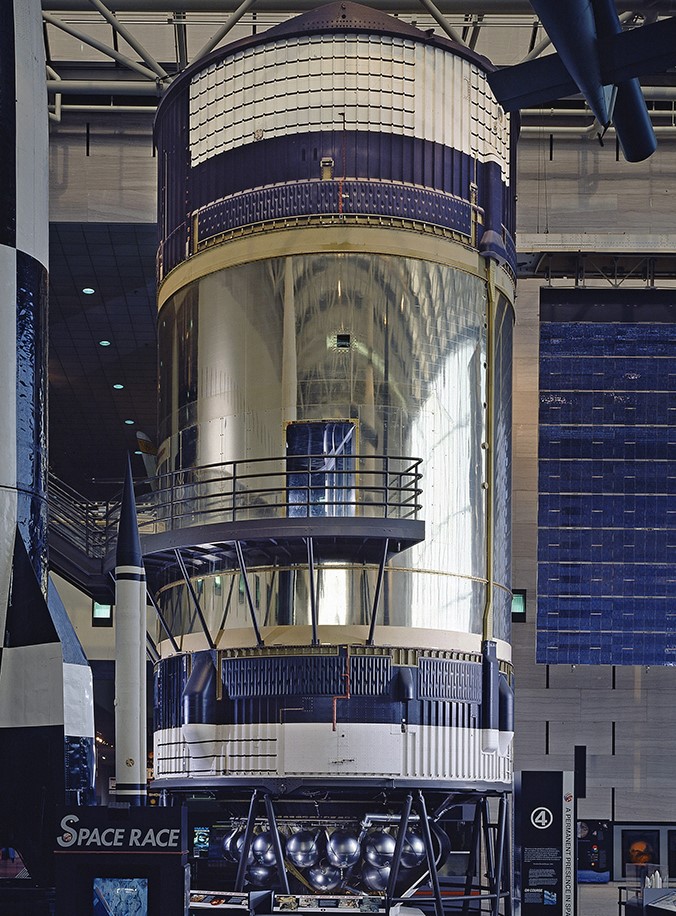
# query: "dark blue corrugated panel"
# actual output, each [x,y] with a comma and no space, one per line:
[447,679]
[170,680]
[297,158]
[31,408]
[321,198]
[171,137]
[80,770]
[300,675]
[370,675]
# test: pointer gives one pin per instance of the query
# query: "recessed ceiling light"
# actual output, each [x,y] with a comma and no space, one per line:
[129,422]
[88,291]
[138,453]
[104,343]
[118,387]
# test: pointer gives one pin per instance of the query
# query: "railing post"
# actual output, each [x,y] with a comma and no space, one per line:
[172,481]
[308,489]
[386,466]
[234,491]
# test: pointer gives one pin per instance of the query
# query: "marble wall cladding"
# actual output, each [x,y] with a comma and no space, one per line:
[103,169]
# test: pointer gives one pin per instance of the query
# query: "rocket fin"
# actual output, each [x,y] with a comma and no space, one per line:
[29,622]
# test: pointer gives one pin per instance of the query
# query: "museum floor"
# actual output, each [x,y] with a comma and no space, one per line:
[599,900]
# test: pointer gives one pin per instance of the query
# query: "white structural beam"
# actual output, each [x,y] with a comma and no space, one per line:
[133,42]
[99,46]
[457,7]
[225,28]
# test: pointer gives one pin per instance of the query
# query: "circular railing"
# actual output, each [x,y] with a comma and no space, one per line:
[301,486]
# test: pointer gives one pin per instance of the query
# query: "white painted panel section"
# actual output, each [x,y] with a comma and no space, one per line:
[314,749]
[78,701]
[32,135]
[364,82]
[31,686]
[130,674]
[358,82]
[7,421]
[171,753]
[351,750]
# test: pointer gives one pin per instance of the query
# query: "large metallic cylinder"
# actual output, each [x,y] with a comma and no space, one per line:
[335,316]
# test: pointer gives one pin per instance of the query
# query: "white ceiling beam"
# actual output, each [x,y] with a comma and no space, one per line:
[456,7]
[99,46]
[104,87]
[224,29]
[438,16]
[124,32]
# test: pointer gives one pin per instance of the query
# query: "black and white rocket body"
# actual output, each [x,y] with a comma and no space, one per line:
[46,697]
[130,656]
[330,526]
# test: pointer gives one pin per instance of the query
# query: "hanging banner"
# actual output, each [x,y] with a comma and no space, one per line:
[545,862]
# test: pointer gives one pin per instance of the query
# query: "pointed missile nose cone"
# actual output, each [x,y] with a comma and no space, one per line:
[128,542]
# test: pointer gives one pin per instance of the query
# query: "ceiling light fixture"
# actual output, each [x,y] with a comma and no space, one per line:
[118,387]
[129,422]
[88,291]
[104,343]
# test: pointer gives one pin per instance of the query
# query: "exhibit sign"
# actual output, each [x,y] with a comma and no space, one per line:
[545,863]
[122,860]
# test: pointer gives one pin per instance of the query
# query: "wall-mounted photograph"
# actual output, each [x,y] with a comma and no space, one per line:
[640,847]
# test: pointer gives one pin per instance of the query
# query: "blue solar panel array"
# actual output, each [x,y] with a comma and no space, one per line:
[607,486]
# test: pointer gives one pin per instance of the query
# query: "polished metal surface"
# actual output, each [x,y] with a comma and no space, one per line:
[394,346]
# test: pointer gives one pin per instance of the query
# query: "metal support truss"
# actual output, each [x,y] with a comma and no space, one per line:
[277,843]
[247,589]
[246,845]
[313,593]
[163,622]
[376,596]
[195,599]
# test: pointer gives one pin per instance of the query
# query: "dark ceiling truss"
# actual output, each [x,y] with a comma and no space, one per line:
[133,79]
[615,269]
[449,7]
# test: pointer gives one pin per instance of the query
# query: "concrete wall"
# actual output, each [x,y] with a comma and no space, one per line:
[626,716]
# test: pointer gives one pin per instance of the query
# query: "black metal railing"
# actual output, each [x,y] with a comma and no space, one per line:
[302,486]
[77,520]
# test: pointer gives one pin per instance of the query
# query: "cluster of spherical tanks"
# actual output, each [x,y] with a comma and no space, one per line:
[327,861]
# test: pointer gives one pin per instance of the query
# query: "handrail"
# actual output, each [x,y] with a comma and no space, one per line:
[283,487]
[79,521]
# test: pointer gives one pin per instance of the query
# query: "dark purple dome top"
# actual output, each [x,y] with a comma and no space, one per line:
[343,17]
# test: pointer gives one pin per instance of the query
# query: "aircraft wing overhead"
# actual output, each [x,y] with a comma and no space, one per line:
[638,52]
[534,82]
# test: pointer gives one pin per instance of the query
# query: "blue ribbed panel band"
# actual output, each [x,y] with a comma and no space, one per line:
[310,675]
[365,198]
[446,679]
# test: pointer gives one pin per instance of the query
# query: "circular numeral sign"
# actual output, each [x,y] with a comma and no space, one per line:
[541,818]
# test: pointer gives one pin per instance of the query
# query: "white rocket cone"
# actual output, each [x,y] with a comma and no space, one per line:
[130,656]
